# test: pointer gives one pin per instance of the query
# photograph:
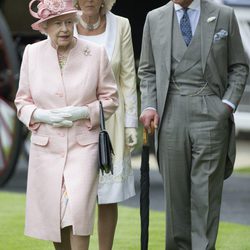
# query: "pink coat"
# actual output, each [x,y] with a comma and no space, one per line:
[69,152]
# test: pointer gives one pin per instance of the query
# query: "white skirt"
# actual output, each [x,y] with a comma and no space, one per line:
[65,209]
[119,186]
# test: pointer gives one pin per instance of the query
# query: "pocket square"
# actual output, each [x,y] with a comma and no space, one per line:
[220,35]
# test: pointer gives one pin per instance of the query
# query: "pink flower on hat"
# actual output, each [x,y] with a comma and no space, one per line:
[47,9]
[43,13]
[50,7]
[54,6]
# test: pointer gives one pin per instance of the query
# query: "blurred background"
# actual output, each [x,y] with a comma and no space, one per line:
[16,33]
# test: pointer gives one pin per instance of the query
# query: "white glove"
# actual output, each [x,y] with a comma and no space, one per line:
[131,137]
[54,119]
[75,113]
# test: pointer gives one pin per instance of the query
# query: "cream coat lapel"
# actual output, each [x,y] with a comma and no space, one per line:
[111,31]
[209,17]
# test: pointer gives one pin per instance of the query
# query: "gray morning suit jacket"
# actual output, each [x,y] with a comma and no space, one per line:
[224,64]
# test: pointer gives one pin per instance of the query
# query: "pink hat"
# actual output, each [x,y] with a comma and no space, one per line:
[47,9]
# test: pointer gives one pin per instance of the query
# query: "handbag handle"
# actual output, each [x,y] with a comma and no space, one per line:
[102,121]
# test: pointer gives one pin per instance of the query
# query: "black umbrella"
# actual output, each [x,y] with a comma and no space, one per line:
[144,195]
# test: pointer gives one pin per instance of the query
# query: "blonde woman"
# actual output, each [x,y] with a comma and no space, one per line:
[99,25]
[62,80]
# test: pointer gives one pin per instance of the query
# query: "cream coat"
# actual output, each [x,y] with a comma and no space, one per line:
[118,43]
[69,152]
[120,185]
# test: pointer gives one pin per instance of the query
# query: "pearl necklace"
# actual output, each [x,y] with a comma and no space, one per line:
[90,26]
[63,56]
[62,60]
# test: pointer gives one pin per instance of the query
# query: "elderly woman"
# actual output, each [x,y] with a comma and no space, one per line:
[62,80]
[99,25]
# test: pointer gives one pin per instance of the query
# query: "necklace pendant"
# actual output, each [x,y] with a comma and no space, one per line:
[90,26]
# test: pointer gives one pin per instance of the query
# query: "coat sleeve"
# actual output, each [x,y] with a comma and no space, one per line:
[127,76]
[23,101]
[237,64]
[147,72]
[106,91]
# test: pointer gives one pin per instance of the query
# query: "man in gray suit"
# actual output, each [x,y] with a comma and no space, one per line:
[193,72]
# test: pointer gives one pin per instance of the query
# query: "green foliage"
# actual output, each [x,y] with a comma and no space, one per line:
[245,170]
[231,236]
[12,225]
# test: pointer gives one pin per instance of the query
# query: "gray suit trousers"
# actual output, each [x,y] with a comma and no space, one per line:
[192,152]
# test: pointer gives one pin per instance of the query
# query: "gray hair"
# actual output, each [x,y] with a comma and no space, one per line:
[108,4]
[44,25]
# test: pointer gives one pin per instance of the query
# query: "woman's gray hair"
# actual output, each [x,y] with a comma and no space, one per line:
[44,25]
[108,4]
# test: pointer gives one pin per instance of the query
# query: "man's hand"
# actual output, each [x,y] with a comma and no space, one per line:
[149,117]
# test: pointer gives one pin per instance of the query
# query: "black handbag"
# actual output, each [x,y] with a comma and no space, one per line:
[105,146]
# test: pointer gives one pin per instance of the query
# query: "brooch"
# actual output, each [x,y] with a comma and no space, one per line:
[86,52]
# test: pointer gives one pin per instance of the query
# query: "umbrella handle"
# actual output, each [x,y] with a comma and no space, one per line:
[147,132]
[145,136]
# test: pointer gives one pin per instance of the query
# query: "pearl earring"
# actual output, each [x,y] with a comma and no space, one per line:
[102,5]
[76,5]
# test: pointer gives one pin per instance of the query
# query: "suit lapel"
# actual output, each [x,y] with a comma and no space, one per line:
[208,12]
[166,19]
